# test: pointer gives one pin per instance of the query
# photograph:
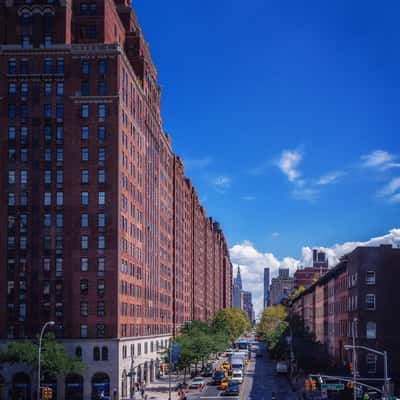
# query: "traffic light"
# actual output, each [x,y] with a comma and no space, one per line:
[47,393]
[349,385]
[351,366]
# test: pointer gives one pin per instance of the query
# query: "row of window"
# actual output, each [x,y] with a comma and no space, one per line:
[101,88]
[58,67]
[101,111]
[84,287]
[100,309]
[48,67]
[47,112]
[47,134]
[47,89]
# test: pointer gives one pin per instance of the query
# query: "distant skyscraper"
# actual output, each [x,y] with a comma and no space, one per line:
[248,304]
[281,287]
[266,287]
[237,289]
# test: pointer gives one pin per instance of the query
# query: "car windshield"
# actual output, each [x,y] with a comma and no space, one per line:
[197,379]
[237,375]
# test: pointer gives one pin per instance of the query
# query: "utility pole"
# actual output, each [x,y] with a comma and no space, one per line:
[354,327]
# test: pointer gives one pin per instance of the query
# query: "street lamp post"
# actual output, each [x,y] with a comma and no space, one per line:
[48,323]
[169,370]
[385,365]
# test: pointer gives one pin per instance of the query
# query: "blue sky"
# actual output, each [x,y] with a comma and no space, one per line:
[285,113]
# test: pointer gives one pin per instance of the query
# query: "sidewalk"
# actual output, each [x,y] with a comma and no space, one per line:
[158,390]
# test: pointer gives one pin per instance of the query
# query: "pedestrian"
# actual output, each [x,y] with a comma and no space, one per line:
[184,397]
[142,392]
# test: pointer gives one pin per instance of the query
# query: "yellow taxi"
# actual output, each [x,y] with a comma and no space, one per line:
[224,383]
[246,362]
[225,365]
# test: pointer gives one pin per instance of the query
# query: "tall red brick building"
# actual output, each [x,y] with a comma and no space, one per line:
[100,229]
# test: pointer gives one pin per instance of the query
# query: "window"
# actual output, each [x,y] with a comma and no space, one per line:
[59,199]
[101,67]
[46,264]
[84,220]
[60,66]
[84,88]
[47,199]
[23,177]
[11,199]
[78,353]
[101,134]
[371,330]
[23,199]
[100,287]
[371,363]
[85,67]
[84,110]
[102,154]
[59,176]
[60,154]
[84,242]
[101,112]
[24,155]
[84,198]
[101,176]
[83,8]
[11,133]
[47,134]
[59,134]
[23,66]
[84,264]
[370,301]
[24,112]
[84,287]
[84,309]
[47,220]
[104,353]
[47,154]
[22,242]
[84,133]
[25,41]
[60,112]
[101,199]
[100,308]
[12,67]
[60,89]
[92,8]
[59,266]
[47,41]
[47,177]
[85,176]
[370,278]
[48,66]
[11,177]
[84,331]
[100,330]
[47,89]
[84,154]
[100,266]
[47,111]
[12,89]
[59,220]
[24,89]
[101,242]
[101,220]
[101,88]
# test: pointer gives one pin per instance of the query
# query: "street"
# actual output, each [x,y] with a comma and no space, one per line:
[259,383]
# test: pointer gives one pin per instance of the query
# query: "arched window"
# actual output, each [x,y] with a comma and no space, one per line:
[96,354]
[78,352]
[371,330]
[104,353]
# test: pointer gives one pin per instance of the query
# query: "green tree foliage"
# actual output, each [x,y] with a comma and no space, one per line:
[232,321]
[297,293]
[54,358]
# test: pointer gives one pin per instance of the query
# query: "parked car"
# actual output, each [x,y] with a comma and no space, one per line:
[207,372]
[282,367]
[232,389]
[197,383]
[237,376]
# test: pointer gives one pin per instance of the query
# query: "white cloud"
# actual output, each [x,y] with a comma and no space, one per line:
[330,178]
[197,163]
[248,198]
[252,262]
[288,163]
[221,183]
[380,159]
[390,189]
[305,193]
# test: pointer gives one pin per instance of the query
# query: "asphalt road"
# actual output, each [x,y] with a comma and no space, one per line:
[259,383]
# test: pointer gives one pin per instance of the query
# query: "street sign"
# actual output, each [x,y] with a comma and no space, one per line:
[175,351]
[332,386]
